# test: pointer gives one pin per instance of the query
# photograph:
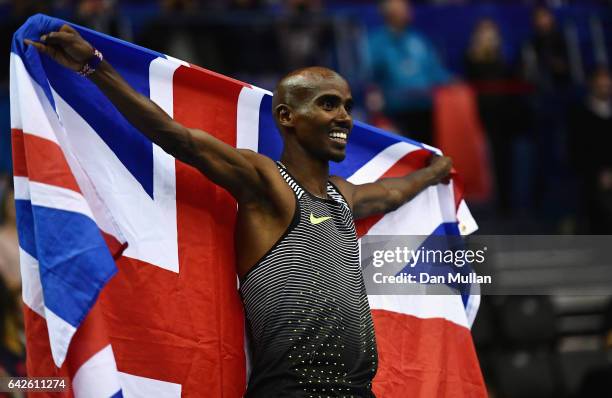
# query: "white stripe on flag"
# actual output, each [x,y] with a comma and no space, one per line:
[446,197]
[143,387]
[247,118]
[449,307]
[151,231]
[16,122]
[383,161]
[473,303]
[31,288]
[60,331]
[420,216]
[60,335]
[161,91]
[54,197]
[97,377]
[30,98]
[467,224]
[178,61]
[161,73]
[46,124]
[22,188]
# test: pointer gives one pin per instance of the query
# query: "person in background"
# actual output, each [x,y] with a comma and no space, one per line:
[590,141]
[9,245]
[304,35]
[406,68]
[103,16]
[12,351]
[546,58]
[546,67]
[493,79]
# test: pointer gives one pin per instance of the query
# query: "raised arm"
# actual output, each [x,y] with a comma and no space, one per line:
[225,165]
[388,194]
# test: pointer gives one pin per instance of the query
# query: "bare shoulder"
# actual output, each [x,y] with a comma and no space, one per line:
[274,190]
[346,188]
[263,164]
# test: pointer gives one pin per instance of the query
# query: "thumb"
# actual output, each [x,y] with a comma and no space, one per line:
[69,29]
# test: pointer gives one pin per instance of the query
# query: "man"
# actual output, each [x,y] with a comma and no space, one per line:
[309,322]
[590,138]
[406,67]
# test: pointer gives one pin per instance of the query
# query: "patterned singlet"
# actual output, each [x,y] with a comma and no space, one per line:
[308,318]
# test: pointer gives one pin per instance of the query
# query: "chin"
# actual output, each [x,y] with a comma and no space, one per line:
[337,157]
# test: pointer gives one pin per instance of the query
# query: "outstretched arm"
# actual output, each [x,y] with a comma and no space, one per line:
[388,194]
[225,165]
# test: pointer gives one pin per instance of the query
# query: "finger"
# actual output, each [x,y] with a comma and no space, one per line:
[56,38]
[69,29]
[39,46]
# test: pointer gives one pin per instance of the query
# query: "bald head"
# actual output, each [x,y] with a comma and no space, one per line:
[300,85]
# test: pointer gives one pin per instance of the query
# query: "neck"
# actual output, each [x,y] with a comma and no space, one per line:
[311,173]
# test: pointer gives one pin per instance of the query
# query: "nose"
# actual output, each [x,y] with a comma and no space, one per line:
[342,116]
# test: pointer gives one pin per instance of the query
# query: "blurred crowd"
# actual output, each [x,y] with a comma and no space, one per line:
[538,73]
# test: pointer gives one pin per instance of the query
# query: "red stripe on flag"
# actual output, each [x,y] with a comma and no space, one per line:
[187,328]
[115,247]
[428,357]
[149,318]
[221,79]
[206,216]
[45,161]
[20,168]
[363,225]
[89,339]
[38,359]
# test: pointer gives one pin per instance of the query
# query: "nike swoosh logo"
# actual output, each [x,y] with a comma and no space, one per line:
[317,220]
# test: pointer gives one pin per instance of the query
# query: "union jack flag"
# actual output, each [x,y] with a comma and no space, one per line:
[127,254]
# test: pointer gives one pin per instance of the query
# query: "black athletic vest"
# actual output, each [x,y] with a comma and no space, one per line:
[308,318]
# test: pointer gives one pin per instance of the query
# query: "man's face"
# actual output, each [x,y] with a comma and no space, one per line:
[544,21]
[397,13]
[323,122]
[602,86]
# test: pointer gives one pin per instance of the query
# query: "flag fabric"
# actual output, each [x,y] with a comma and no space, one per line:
[127,254]
[461,136]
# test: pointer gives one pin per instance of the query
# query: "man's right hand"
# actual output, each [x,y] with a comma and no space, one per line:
[65,46]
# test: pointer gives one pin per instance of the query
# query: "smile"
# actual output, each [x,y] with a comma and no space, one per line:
[338,136]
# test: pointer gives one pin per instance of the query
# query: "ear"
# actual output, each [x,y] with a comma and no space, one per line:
[284,115]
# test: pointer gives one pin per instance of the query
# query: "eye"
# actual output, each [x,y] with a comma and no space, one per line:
[327,104]
[349,108]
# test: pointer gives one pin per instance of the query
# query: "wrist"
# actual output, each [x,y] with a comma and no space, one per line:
[432,175]
[92,64]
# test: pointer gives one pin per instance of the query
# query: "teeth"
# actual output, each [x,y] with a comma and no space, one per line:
[335,134]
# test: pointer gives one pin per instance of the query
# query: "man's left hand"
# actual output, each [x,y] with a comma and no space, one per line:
[441,167]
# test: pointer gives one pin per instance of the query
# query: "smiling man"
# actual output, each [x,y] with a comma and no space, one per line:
[308,318]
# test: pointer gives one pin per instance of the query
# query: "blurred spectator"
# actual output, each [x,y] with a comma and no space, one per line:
[590,142]
[245,5]
[102,16]
[12,352]
[9,245]
[21,10]
[498,104]
[406,68]
[546,59]
[173,33]
[546,66]
[305,35]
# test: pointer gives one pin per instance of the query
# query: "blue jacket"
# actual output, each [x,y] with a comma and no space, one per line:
[406,68]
